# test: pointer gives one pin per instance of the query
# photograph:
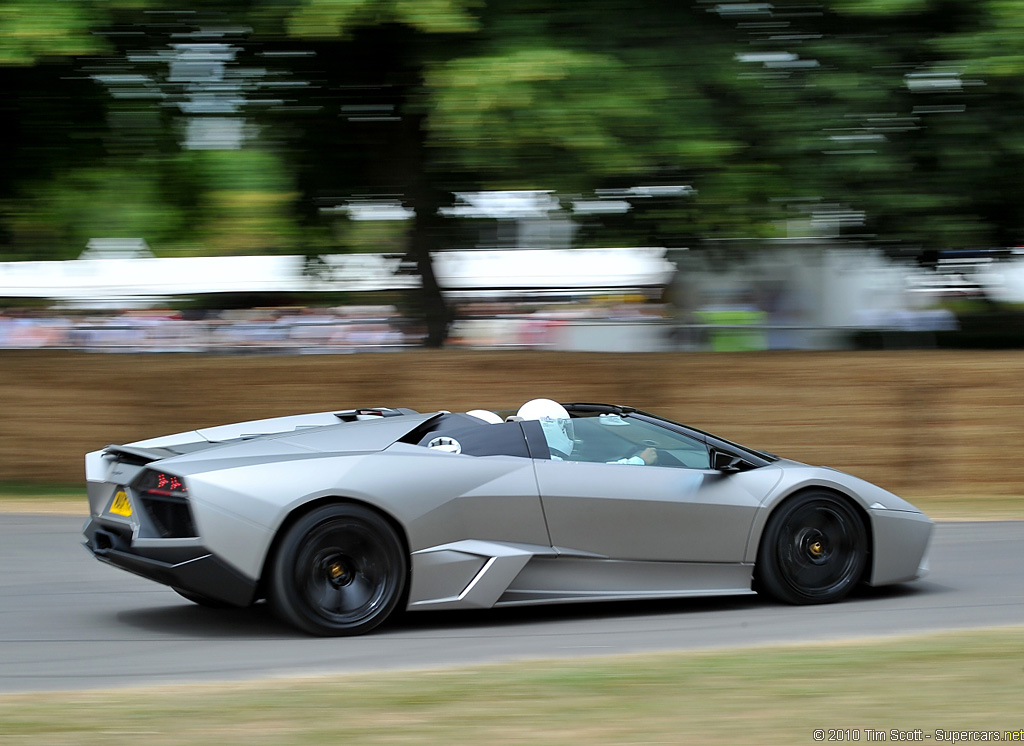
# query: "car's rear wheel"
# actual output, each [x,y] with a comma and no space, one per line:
[339,570]
[813,550]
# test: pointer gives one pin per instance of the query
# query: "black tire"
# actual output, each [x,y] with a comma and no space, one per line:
[209,603]
[813,550]
[340,570]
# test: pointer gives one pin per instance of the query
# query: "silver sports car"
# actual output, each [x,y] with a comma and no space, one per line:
[338,519]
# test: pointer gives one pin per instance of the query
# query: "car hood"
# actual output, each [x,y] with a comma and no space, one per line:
[798,475]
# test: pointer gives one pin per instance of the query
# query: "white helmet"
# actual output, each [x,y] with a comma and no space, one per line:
[485,415]
[554,420]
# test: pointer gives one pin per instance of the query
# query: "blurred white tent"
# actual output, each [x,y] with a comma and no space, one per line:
[111,280]
[127,273]
[523,271]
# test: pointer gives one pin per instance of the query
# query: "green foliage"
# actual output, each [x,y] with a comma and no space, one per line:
[542,114]
[332,18]
[58,218]
[993,48]
[375,236]
[908,111]
[879,7]
[246,203]
[33,29]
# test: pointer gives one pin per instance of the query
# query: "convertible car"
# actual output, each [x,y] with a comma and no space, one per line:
[338,519]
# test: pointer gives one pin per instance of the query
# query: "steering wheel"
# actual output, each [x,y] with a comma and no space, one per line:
[647,445]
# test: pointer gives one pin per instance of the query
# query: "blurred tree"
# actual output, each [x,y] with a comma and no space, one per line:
[31,30]
[369,118]
[575,98]
[161,119]
[523,96]
[887,118]
[55,219]
[246,203]
[978,120]
[235,126]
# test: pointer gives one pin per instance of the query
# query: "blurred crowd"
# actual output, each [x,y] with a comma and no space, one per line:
[618,324]
[505,324]
[298,330]
[320,330]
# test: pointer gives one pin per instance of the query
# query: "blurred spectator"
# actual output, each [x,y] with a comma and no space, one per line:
[303,330]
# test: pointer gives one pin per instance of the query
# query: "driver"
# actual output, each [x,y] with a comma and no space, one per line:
[558,432]
[554,421]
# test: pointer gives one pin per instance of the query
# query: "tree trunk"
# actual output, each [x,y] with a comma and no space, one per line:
[428,229]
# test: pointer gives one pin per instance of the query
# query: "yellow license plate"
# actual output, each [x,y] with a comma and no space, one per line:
[121,504]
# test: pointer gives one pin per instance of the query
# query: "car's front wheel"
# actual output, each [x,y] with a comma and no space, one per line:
[339,570]
[813,549]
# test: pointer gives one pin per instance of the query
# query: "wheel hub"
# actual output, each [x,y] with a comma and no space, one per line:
[338,570]
[814,546]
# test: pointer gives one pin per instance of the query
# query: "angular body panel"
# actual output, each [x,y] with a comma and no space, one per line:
[548,580]
[651,514]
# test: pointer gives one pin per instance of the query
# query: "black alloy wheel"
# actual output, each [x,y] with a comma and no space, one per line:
[813,550]
[340,570]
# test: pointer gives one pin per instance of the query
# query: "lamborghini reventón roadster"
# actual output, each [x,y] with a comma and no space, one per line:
[338,519]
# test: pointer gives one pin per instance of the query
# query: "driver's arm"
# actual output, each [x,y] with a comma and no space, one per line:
[646,457]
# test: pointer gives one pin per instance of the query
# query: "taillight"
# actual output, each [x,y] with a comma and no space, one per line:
[165,508]
[154,482]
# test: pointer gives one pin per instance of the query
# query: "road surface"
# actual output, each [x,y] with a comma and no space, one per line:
[70,622]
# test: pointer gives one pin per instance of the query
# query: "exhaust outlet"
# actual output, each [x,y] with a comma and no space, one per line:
[103,541]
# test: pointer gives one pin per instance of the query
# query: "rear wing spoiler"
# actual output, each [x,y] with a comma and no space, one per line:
[134,454]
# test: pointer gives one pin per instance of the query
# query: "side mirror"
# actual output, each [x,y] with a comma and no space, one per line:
[726,463]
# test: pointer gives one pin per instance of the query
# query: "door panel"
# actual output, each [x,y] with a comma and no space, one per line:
[632,512]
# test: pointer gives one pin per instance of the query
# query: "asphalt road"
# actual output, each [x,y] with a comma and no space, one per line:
[70,622]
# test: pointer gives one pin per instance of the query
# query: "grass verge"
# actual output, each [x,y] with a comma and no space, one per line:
[19,497]
[953,682]
[971,507]
[30,491]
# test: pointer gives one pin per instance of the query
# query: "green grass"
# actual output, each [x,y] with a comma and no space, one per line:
[29,491]
[773,695]
[34,498]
